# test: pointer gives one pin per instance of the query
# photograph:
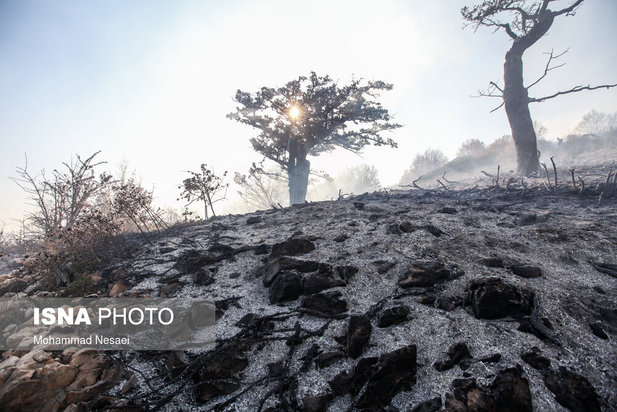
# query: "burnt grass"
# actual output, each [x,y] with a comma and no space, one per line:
[498,298]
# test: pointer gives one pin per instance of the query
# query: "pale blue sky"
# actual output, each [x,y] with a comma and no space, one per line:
[151,81]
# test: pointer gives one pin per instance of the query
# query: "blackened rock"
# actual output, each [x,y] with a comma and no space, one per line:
[572,390]
[346,272]
[525,220]
[211,389]
[393,316]
[535,359]
[434,230]
[394,372]
[328,358]
[431,405]
[358,205]
[176,363]
[274,265]
[287,286]
[425,274]
[327,303]
[341,238]
[526,271]
[384,266]
[492,262]
[449,303]
[407,227]
[492,298]
[358,335]
[598,329]
[456,353]
[393,229]
[346,382]
[203,277]
[492,359]
[454,405]
[317,403]
[428,300]
[321,281]
[253,219]
[226,365]
[447,210]
[511,391]
[460,388]
[261,249]
[292,247]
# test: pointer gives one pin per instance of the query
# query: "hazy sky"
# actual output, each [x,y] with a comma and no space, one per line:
[150,82]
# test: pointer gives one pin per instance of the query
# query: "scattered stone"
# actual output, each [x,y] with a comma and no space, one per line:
[572,390]
[219,375]
[449,303]
[193,260]
[203,277]
[511,391]
[169,290]
[328,358]
[394,372]
[526,271]
[407,227]
[287,286]
[346,272]
[253,219]
[327,303]
[492,359]
[448,211]
[525,220]
[492,262]
[492,298]
[431,405]
[425,274]
[292,247]
[317,403]
[358,205]
[599,330]
[166,250]
[119,288]
[262,249]
[384,266]
[535,359]
[358,335]
[393,316]
[341,238]
[434,230]
[275,265]
[321,281]
[428,300]
[456,353]
[345,382]
[393,229]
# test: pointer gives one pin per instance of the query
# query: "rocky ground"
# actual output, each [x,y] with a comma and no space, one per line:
[489,298]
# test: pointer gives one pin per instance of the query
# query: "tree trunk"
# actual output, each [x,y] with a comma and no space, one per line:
[516,98]
[298,169]
[516,101]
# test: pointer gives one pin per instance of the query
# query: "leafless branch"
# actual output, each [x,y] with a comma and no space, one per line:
[548,66]
[572,90]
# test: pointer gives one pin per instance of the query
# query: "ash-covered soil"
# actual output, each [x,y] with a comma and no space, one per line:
[492,298]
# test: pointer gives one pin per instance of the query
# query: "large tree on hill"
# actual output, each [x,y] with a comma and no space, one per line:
[312,115]
[525,22]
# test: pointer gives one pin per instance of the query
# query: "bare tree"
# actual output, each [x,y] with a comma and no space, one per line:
[424,162]
[471,147]
[525,22]
[204,186]
[260,188]
[61,199]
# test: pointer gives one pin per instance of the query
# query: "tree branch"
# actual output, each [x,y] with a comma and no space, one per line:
[548,67]
[569,11]
[572,90]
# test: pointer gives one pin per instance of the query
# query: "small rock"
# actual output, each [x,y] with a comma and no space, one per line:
[511,391]
[358,205]
[292,247]
[428,300]
[253,219]
[317,403]
[328,358]
[525,220]
[425,274]
[120,287]
[572,390]
[287,286]
[492,262]
[434,230]
[447,210]
[393,316]
[535,359]
[346,272]
[341,238]
[169,290]
[407,227]
[321,281]
[492,298]
[203,277]
[393,229]
[599,330]
[456,353]
[358,335]
[431,405]
[526,271]
[384,266]
[261,249]
[328,303]
[492,359]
